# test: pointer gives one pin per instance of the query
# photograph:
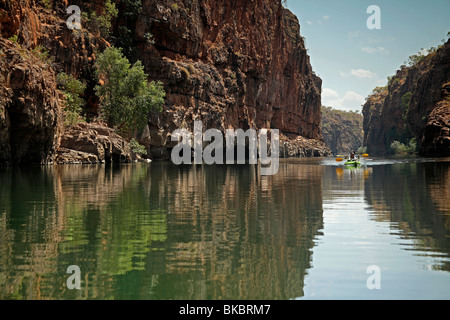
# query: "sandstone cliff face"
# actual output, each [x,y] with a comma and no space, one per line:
[342,131]
[436,136]
[230,65]
[413,106]
[29,107]
[30,104]
[92,143]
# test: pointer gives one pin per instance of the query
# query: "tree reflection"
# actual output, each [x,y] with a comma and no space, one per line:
[157,232]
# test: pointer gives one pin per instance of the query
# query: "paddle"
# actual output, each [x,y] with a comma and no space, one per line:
[365,155]
[339,158]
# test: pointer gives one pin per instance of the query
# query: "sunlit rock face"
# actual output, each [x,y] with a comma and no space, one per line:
[230,65]
[415,104]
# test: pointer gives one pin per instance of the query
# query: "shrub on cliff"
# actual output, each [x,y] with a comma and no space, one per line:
[137,148]
[73,89]
[400,148]
[102,23]
[126,96]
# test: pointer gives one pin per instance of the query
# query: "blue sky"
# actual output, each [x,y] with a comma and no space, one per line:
[352,59]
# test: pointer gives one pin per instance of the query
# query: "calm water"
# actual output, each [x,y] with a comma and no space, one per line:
[160,231]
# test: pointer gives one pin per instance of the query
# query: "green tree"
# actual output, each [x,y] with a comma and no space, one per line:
[412,145]
[406,99]
[416,58]
[102,23]
[137,148]
[400,148]
[361,150]
[126,96]
[73,89]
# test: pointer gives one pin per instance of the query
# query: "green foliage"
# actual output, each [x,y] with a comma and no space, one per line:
[131,8]
[124,40]
[73,89]
[413,145]
[137,148]
[406,99]
[400,148]
[175,6]
[126,97]
[42,53]
[351,115]
[392,81]
[123,37]
[47,4]
[342,130]
[102,23]
[149,38]
[14,38]
[361,150]
[419,56]
[379,89]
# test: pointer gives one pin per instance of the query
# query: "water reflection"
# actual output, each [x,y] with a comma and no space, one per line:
[415,197]
[158,231]
[394,216]
[161,231]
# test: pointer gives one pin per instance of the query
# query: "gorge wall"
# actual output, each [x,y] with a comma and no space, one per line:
[415,104]
[342,130]
[239,64]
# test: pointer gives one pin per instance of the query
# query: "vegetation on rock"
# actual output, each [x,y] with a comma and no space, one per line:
[400,148]
[126,96]
[73,89]
[401,110]
[342,130]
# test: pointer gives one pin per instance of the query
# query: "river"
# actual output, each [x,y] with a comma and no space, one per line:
[315,230]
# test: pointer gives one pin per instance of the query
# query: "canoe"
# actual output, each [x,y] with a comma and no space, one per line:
[352,163]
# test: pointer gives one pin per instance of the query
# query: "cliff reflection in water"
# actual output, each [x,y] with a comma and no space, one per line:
[158,231]
[415,197]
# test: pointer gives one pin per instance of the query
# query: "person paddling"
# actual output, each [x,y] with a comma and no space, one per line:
[352,155]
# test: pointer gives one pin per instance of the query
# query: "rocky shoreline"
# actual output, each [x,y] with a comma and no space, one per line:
[92,143]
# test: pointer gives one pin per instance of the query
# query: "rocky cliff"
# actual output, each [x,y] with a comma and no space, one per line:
[415,104]
[29,107]
[342,130]
[240,64]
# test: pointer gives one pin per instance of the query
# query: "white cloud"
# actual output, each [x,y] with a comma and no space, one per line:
[371,50]
[372,40]
[329,94]
[320,21]
[349,101]
[361,73]
[353,34]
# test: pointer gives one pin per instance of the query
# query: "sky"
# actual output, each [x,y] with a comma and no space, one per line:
[352,59]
